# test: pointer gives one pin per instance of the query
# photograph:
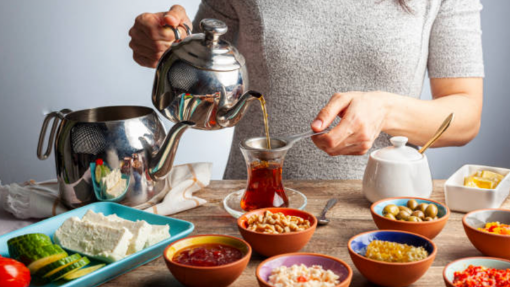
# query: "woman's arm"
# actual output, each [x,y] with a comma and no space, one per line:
[418,119]
[365,114]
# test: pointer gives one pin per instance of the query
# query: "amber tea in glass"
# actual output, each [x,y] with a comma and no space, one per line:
[265,186]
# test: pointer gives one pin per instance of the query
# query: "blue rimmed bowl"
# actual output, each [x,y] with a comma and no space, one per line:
[389,273]
[429,229]
[462,264]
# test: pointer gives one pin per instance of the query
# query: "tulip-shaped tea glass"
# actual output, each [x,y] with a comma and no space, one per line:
[265,186]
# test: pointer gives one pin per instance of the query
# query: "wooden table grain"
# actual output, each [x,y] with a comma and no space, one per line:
[349,217]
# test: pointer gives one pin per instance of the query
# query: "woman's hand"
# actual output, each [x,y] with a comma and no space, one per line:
[363,117]
[149,38]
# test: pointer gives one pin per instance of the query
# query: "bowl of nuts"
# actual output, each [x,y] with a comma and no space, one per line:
[273,231]
[413,214]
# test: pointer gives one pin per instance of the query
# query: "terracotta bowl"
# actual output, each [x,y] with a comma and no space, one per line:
[336,265]
[429,229]
[488,243]
[194,276]
[274,244]
[386,273]
[462,264]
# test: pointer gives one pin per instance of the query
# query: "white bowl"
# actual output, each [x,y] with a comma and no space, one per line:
[465,199]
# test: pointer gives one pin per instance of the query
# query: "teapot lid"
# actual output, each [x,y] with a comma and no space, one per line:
[207,51]
[398,152]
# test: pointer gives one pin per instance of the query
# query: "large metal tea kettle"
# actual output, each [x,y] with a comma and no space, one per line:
[202,79]
[117,153]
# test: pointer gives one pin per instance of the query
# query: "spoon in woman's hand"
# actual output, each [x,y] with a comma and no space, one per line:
[322,220]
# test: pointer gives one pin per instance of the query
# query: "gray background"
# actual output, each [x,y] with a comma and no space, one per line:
[58,54]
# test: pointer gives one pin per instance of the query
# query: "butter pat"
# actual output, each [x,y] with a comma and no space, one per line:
[98,241]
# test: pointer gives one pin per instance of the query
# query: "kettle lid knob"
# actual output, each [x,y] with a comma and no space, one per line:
[213,29]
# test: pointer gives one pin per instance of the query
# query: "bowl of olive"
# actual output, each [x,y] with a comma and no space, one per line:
[413,214]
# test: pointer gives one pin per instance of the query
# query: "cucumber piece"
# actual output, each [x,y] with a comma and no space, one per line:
[15,245]
[45,269]
[30,236]
[31,255]
[82,272]
[67,269]
[20,248]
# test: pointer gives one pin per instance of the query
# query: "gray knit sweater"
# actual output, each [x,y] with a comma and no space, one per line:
[300,52]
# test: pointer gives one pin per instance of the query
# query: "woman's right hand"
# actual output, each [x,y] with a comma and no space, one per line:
[149,38]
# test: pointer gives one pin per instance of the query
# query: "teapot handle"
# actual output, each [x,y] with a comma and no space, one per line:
[57,115]
[176,30]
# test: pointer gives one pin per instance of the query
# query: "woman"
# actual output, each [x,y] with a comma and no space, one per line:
[363,61]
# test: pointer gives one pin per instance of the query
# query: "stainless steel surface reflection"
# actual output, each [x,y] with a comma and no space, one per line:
[203,79]
[126,139]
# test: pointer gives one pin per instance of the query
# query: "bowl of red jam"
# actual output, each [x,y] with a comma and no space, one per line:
[207,260]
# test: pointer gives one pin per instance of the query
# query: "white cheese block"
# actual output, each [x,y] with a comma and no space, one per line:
[101,242]
[140,229]
[159,233]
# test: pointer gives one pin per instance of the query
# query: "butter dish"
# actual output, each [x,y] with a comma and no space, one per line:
[465,198]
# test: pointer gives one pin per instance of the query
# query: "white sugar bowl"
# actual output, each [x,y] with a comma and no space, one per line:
[396,171]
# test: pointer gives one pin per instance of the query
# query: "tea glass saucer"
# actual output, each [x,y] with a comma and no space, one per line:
[232,202]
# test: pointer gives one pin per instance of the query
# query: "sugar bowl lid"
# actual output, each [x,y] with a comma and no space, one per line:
[398,151]
[207,51]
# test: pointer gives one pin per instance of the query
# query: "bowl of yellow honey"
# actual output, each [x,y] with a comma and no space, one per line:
[475,187]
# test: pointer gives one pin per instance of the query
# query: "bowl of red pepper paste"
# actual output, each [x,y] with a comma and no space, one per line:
[477,271]
[207,260]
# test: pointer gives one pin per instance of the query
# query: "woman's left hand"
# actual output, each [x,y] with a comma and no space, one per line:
[363,116]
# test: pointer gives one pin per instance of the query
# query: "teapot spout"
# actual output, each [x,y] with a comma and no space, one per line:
[229,116]
[161,163]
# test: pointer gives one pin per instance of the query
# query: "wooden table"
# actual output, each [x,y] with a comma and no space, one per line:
[349,217]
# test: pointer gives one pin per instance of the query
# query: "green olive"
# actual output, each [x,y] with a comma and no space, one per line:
[403,215]
[413,219]
[429,219]
[412,204]
[391,209]
[431,210]
[406,209]
[422,207]
[390,216]
[418,213]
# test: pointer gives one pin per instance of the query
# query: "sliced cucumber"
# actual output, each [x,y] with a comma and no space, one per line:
[30,236]
[31,255]
[28,241]
[45,269]
[82,272]
[67,269]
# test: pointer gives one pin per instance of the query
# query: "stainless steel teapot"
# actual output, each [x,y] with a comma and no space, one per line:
[202,79]
[119,153]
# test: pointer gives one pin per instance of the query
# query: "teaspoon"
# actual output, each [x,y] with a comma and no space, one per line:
[322,220]
[444,126]
[290,140]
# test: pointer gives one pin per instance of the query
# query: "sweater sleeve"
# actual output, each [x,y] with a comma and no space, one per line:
[221,10]
[455,47]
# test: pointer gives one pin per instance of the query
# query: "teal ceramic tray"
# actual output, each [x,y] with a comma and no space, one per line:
[178,229]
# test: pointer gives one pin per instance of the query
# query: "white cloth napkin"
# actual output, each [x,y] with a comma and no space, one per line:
[40,199]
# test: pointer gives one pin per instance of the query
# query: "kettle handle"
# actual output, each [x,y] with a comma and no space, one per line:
[177,34]
[57,115]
